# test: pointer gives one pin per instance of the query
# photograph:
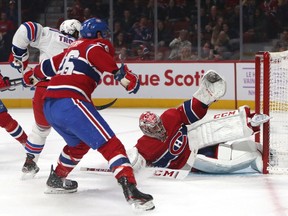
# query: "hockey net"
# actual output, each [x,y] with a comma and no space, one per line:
[271,98]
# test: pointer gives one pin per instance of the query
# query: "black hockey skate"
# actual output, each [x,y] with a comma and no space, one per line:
[29,168]
[137,199]
[58,185]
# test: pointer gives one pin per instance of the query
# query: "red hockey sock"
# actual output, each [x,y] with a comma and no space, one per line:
[114,152]
[12,127]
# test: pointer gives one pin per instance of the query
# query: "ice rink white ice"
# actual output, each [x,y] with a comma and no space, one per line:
[240,194]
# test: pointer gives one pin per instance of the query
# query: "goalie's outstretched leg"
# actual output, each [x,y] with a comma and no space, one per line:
[211,89]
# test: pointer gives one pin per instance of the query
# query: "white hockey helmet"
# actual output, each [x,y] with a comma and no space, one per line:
[70,27]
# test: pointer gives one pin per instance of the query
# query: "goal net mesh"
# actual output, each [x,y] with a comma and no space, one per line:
[272,99]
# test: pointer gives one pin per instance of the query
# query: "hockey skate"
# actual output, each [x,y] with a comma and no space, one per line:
[58,185]
[259,119]
[29,168]
[139,200]
[212,88]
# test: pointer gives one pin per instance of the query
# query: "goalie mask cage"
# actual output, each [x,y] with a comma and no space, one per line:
[271,98]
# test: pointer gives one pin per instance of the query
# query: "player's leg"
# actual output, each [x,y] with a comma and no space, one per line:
[11,125]
[85,123]
[68,159]
[37,137]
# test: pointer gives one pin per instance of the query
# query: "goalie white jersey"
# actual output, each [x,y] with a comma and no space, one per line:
[49,41]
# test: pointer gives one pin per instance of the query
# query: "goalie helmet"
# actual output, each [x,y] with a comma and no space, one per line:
[152,126]
[70,27]
[91,27]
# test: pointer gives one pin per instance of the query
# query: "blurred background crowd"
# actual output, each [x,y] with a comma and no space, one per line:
[163,30]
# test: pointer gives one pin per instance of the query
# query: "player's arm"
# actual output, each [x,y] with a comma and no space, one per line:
[27,33]
[47,68]
[106,63]
[211,89]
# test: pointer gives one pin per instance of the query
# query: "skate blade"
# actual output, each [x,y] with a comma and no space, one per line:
[147,206]
[50,190]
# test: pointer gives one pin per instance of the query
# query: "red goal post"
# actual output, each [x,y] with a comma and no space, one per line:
[271,98]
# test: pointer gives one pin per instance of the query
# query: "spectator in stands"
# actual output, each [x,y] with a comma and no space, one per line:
[206,51]
[216,30]
[118,9]
[223,45]
[117,29]
[7,30]
[271,17]
[176,11]
[120,43]
[282,43]
[213,16]
[12,13]
[143,53]
[141,32]
[186,54]
[87,14]
[164,34]
[100,10]
[178,43]
[137,9]
[127,20]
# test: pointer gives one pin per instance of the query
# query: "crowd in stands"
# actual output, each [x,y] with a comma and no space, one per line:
[177,26]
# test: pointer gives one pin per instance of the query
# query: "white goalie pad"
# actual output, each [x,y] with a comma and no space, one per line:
[232,156]
[137,160]
[220,128]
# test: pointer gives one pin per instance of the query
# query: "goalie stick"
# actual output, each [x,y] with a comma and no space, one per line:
[157,172]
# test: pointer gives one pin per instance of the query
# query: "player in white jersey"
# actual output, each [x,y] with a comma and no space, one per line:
[49,42]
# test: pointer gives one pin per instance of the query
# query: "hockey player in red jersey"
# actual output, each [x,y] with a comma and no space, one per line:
[6,120]
[49,42]
[181,138]
[69,109]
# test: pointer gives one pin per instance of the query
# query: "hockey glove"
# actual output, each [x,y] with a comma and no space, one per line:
[19,61]
[29,79]
[4,83]
[128,79]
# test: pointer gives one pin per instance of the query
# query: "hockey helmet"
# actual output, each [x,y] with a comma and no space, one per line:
[152,126]
[92,26]
[70,27]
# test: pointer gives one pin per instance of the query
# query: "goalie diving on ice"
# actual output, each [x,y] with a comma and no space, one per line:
[185,138]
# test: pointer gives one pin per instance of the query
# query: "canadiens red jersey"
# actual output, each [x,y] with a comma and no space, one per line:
[78,70]
[174,151]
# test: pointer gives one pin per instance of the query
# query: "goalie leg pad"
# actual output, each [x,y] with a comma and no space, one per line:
[219,128]
[232,156]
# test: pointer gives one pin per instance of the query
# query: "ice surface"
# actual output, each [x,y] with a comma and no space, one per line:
[239,194]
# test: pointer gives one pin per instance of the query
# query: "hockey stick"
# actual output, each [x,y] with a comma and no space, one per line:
[13,83]
[156,172]
[104,106]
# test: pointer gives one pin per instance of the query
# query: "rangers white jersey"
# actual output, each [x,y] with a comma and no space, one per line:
[49,41]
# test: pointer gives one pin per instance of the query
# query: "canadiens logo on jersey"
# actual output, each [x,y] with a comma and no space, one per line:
[176,146]
[179,141]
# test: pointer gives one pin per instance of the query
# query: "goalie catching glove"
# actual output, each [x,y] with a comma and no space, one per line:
[127,79]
